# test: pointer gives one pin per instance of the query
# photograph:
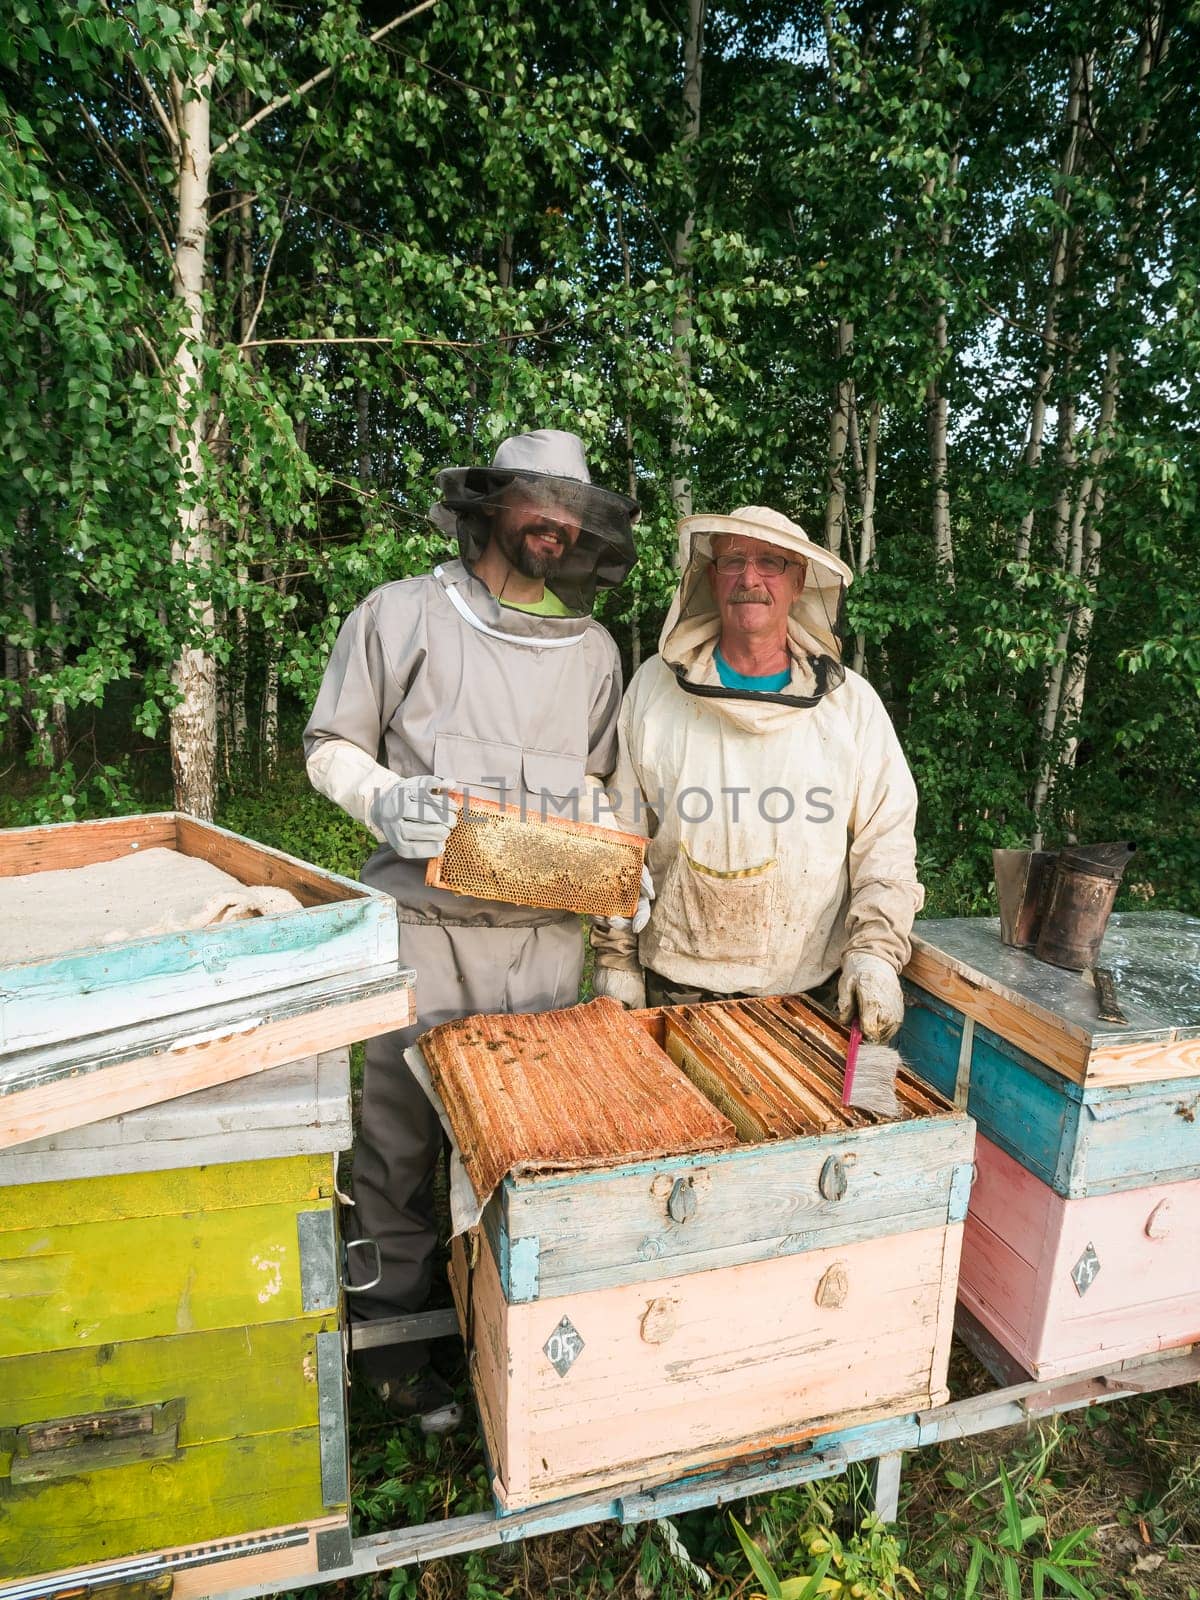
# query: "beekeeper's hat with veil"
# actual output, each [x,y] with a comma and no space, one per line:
[550,467]
[693,625]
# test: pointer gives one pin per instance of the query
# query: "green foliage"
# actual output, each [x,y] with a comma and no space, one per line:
[865,1564]
[1001,1548]
[471,226]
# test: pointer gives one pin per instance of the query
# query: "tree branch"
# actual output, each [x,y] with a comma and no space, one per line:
[453,344]
[160,111]
[311,83]
[112,155]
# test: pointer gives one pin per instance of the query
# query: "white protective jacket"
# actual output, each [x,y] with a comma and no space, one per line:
[780,825]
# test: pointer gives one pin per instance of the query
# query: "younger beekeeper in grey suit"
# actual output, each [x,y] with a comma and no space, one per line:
[488,672]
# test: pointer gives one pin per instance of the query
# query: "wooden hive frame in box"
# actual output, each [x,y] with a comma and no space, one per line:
[632,1319]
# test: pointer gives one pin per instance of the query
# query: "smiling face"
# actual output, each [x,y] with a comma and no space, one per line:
[531,531]
[754,603]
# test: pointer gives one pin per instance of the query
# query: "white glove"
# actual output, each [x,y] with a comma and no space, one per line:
[870,990]
[613,983]
[415,816]
[641,915]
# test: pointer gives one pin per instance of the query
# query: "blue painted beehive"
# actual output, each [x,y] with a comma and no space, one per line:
[1088,1106]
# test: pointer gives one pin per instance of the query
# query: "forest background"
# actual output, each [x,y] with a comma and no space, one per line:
[923,275]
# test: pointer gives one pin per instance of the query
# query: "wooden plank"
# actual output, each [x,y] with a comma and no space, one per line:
[600,1228]
[302,1108]
[79,844]
[943,1320]
[210,1491]
[44,1095]
[1048,1038]
[962,1419]
[260,865]
[198,1272]
[70,997]
[384,1332]
[823,1456]
[172,1192]
[250,1378]
[884,1489]
[277,1558]
[1145,1062]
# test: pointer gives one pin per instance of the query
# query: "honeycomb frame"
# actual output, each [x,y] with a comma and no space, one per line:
[502,852]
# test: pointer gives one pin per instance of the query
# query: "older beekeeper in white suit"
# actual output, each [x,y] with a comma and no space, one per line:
[489,672]
[772,787]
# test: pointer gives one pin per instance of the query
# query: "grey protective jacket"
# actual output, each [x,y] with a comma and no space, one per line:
[432,675]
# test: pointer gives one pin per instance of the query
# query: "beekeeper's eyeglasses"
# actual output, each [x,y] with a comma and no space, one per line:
[770,566]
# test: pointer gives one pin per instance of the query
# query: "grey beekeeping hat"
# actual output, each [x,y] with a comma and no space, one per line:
[552,463]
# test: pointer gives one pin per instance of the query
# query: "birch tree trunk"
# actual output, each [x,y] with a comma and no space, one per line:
[938,422]
[27,664]
[681,321]
[839,431]
[1064,703]
[194,718]
[59,744]
[866,466]
[12,659]
[1153,47]
[269,724]
[1065,545]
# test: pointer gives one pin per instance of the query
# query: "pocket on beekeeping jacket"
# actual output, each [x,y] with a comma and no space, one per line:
[715,914]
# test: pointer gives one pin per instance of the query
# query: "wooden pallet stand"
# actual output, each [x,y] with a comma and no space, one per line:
[879,1445]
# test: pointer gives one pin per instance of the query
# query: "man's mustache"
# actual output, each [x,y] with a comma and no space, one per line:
[742,597]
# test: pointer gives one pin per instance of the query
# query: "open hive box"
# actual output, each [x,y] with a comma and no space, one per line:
[652,1289]
[1080,1243]
[103,1009]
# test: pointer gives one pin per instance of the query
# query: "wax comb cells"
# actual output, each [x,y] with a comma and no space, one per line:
[525,858]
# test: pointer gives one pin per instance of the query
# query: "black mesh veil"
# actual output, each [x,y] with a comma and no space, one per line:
[602,552]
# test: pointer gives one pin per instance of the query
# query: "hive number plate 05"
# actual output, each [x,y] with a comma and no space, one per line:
[563,1346]
[1083,1273]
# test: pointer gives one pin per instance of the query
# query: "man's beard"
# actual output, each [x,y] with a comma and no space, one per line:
[528,563]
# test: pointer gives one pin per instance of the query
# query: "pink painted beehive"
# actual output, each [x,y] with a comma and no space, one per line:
[627,1325]
[1065,1285]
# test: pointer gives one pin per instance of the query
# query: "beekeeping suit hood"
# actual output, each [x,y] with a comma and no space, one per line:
[551,468]
[693,625]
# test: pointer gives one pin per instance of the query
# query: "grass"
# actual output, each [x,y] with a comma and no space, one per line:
[1117,1484]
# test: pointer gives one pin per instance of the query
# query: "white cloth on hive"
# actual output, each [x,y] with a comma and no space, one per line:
[156,891]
